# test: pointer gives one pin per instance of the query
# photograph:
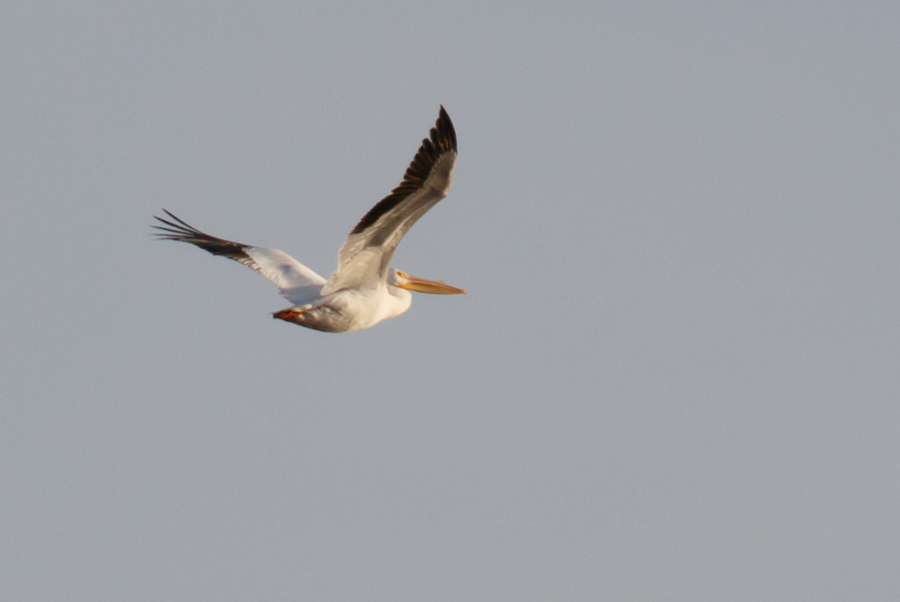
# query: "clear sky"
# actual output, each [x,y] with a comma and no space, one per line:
[675,376]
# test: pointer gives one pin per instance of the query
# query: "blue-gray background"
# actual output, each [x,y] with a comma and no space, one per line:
[675,376]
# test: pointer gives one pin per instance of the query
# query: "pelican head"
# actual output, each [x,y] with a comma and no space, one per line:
[420,285]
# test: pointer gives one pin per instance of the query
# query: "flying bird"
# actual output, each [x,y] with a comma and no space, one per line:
[364,289]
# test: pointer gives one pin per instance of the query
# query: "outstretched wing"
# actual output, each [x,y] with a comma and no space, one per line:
[297,283]
[364,258]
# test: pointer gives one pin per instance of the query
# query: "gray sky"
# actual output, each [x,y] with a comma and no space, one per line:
[675,376]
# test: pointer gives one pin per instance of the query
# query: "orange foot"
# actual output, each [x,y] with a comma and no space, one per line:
[291,314]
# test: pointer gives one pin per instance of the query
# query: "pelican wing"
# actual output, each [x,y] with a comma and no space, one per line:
[364,258]
[296,282]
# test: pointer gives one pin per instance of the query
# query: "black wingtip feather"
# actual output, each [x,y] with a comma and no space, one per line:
[442,140]
[181,231]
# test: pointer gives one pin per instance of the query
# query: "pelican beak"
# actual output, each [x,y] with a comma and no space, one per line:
[435,287]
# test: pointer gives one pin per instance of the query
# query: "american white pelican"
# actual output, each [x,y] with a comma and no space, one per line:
[363,290]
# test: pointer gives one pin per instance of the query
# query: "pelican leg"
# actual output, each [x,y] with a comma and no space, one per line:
[291,314]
